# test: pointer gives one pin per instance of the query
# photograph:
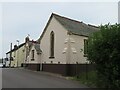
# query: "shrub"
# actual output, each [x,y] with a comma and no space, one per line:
[104,51]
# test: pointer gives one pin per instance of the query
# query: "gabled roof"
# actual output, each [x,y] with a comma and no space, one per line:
[16,48]
[72,26]
[34,44]
[37,48]
[31,43]
[76,27]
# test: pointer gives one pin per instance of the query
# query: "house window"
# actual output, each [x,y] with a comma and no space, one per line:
[23,50]
[85,47]
[52,45]
[58,62]
[32,55]
[51,61]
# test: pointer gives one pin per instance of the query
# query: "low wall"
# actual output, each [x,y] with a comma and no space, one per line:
[63,69]
[68,69]
[35,67]
[55,68]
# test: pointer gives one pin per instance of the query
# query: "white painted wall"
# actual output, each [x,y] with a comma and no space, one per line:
[69,56]
[26,49]
[77,44]
[36,56]
[60,36]
[13,61]
[18,57]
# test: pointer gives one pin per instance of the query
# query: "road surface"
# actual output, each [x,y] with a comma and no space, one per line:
[22,78]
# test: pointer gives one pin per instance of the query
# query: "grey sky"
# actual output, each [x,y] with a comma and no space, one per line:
[0,30]
[20,19]
[119,12]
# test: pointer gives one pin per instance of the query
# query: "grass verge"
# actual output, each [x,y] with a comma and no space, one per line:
[89,79]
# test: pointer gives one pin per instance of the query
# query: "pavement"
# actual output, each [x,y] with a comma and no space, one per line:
[23,78]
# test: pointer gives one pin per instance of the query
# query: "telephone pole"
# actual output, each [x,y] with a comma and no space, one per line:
[10,54]
[18,52]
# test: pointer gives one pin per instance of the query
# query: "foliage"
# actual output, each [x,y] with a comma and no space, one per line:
[104,51]
[90,81]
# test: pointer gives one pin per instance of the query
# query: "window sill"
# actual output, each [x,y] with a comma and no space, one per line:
[32,59]
[51,57]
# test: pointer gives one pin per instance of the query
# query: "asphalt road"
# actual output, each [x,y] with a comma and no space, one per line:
[22,78]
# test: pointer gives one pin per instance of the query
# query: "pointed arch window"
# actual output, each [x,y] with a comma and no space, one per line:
[52,38]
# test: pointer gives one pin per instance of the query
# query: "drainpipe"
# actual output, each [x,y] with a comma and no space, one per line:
[17,52]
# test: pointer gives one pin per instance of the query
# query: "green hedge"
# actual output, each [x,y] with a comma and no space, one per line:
[104,51]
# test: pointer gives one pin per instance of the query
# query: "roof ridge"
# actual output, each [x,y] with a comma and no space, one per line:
[75,26]
[54,14]
[93,26]
[67,18]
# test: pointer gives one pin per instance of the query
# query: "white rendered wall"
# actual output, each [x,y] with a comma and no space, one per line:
[36,56]
[60,36]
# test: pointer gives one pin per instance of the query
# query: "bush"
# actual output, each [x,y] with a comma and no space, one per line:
[90,80]
[104,51]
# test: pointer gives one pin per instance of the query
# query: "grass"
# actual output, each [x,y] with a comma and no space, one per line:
[88,79]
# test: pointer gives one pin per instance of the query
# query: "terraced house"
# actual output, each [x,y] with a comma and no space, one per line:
[17,56]
[60,48]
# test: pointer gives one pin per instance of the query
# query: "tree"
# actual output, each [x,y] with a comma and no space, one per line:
[104,51]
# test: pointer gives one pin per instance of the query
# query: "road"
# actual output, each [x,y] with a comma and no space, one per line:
[22,78]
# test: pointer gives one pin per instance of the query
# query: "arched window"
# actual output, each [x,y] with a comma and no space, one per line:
[52,44]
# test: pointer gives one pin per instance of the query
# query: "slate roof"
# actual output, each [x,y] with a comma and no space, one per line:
[16,48]
[73,26]
[76,27]
[37,47]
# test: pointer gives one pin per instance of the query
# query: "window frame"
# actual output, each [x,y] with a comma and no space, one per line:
[32,55]
[52,45]
[85,47]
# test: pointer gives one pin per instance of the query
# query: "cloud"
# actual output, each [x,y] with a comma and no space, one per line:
[0,30]
[20,19]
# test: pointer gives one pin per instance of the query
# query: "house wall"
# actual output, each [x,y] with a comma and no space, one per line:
[12,61]
[25,53]
[36,56]
[14,58]
[8,62]
[33,64]
[19,56]
[60,39]
[77,43]
[60,36]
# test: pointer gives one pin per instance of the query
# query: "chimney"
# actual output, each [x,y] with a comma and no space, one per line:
[26,39]
[15,46]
